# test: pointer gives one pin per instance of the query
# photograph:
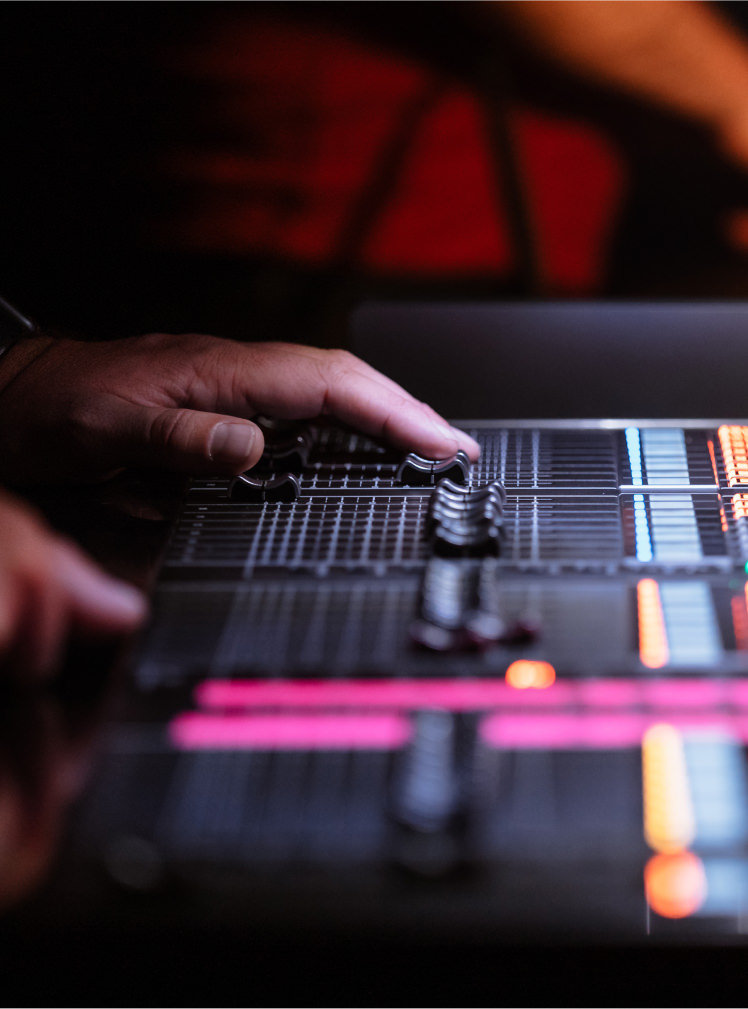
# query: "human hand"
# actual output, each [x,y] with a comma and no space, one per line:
[48,589]
[80,411]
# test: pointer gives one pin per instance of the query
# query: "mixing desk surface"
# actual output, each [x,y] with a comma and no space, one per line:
[500,699]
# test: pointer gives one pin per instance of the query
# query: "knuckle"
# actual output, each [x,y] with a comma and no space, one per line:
[339,365]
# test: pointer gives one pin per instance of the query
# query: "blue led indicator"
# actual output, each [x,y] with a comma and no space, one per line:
[641,530]
[633,445]
[641,522]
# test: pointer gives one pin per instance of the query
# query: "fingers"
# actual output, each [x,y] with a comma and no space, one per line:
[48,589]
[83,411]
[94,601]
[188,441]
[280,380]
[304,382]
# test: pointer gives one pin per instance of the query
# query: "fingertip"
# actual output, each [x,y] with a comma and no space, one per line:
[468,444]
[124,605]
[97,600]
[235,444]
[439,440]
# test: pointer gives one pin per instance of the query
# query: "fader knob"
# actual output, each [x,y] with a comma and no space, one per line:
[289,455]
[256,490]
[417,471]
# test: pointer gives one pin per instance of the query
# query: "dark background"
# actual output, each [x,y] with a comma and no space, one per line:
[87,104]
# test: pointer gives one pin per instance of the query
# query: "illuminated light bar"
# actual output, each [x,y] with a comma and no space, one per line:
[194,730]
[733,440]
[642,537]
[713,458]
[594,730]
[674,529]
[664,454]
[669,824]
[740,506]
[677,624]
[739,608]
[633,447]
[665,526]
[658,461]
[671,694]
[723,519]
[525,674]
[693,635]
[452,695]
[675,884]
[719,788]
[685,694]
[653,646]
[608,693]
[562,731]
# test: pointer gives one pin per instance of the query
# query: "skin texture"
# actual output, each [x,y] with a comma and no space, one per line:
[79,411]
[72,411]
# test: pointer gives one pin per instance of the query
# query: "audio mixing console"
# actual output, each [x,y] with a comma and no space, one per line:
[522,682]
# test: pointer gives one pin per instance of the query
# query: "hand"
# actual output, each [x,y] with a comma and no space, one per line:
[49,588]
[80,411]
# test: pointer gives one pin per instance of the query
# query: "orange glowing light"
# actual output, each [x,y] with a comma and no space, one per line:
[669,824]
[713,457]
[740,506]
[739,606]
[733,441]
[723,519]
[525,674]
[675,885]
[653,646]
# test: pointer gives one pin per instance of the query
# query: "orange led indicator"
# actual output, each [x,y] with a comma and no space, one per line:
[675,885]
[723,518]
[733,440]
[713,457]
[740,506]
[653,646]
[739,607]
[525,674]
[669,823]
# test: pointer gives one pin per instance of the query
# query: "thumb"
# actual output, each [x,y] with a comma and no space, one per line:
[189,441]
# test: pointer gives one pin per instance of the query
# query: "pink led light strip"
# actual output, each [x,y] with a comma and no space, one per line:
[467,695]
[195,730]
[594,731]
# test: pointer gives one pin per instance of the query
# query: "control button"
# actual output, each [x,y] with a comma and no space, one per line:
[417,471]
[257,490]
